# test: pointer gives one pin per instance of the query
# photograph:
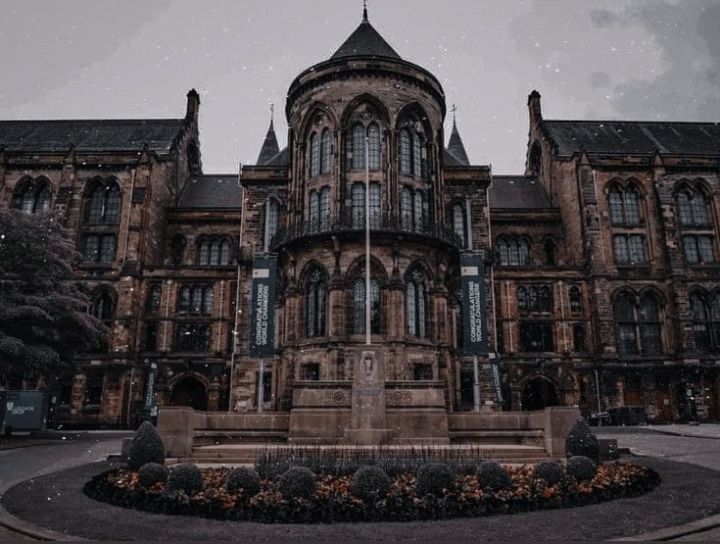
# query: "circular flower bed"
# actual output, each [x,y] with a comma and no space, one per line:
[333,501]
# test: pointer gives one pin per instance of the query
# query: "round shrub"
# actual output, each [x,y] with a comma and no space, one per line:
[549,472]
[146,447]
[581,441]
[370,483]
[433,479]
[297,482]
[493,477]
[581,468]
[243,481]
[187,478]
[152,473]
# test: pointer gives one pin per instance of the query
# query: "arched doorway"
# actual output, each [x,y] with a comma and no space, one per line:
[189,391]
[539,393]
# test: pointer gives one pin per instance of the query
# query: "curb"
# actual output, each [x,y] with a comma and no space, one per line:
[670,533]
[19,526]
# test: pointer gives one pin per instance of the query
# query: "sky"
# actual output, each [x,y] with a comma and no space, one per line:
[612,59]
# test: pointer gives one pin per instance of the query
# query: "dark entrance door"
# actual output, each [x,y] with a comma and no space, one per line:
[467,399]
[189,391]
[538,394]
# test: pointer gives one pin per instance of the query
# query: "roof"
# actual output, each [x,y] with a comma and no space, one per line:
[90,134]
[269,147]
[215,191]
[456,147]
[451,160]
[282,158]
[518,192]
[365,41]
[610,137]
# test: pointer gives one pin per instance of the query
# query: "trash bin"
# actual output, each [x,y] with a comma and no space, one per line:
[26,411]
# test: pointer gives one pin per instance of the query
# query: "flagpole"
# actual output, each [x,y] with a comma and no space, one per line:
[368,303]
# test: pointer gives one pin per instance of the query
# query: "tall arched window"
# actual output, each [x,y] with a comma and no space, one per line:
[359,306]
[411,149]
[373,133]
[575,299]
[650,325]
[314,211]
[579,338]
[415,305]
[358,205]
[314,155]
[152,303]
[405,152]
[196,299]
[638,325]
[413,209]
[315,302]
[698,236]
[692,207]
[213,252]
[701,323]
[626,325]
[358,147]
[103,203]
[460,223]
[513,251]
[224,253]
[326,152]
[325,208]
[272,209]
[624,205]
[33,197]
[103,308]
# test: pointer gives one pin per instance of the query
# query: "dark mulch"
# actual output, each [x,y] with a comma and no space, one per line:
[57,502]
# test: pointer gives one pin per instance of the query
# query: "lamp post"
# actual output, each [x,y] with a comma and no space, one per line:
[368,302]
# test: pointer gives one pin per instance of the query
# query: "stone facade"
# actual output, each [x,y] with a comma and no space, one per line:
[178,281]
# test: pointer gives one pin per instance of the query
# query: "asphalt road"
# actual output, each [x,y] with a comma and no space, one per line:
[21,464]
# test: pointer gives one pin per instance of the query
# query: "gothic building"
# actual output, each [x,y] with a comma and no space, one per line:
[602,257]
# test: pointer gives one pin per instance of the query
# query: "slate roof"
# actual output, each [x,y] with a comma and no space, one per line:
[212,191]
[365,41]
[628,137]
[90,135]
[456,147]
[269,147]
[450,160]
[518,192]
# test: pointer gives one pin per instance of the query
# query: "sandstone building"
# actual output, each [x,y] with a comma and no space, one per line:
[602,256]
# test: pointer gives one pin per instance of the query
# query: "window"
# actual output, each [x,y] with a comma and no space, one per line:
[33,196]
[267,386]
[93,389]
[405,153]
[629,249]
[357,144]
[411,150]
[192,337]
[314,155]
[271,220]
[315,301]
[359,306]
[310,372]
[326,152]
[213,252]
[579,338]
[549,252]
[624,206]
[575,300]
[413,210]
[103,308]
[702,326]
[149,342]
[638,325]
[314,211]
[698,238]
[103,203]
[358,205]
[415,305]
[99,248]
[422,372]
[374,146]
[698,249]
[152,303]
[177,249]
[460,223]
[535,298]
[692,208]
[325,209]
[196,299]
[513,251]
[536,336]
[358,147]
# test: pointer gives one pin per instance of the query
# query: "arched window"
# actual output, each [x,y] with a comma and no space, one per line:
[413,209]
[522,299]
[326,152]
[692,208]
[405,153]
[224,253]
[650,325]
[152,303]
[314,211]
[579,338]
[359,306]
[314,155]
[98,248]
[549,252]
[215,253]
[460,223]
[626,325]
[373,133]
[575,300]
[701,324]
[315,301]
[204,253]
[358,205]
[103,203]
[325,208]
[196,299]
[417,155]
[177,249]
[103,308]
[271,220]
[513,251]
[415,305]
[698,236]
[358,147]
[411,148]
[535,298]
[624,205]
[33,197]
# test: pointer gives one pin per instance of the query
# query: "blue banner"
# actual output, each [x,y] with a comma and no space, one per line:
[262,315]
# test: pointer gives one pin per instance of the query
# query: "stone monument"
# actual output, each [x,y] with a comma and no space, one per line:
[368,416]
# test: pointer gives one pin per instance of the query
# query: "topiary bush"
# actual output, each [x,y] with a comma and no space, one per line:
[243,481]
[186,478]
[434,478]
[493,477]
[146,447]
[582,468]
[581,441]
[297,482]
[370,483]
[152,473]
[549,472]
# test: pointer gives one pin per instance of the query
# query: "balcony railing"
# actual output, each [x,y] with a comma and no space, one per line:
[378,224]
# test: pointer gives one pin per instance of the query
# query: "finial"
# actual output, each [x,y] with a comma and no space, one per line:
[365,13]
[453,109]
[272,112]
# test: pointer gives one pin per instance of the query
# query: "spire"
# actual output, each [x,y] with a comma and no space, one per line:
[365,41]
[270,146]
[456,146]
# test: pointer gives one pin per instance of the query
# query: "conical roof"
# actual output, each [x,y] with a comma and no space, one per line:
[270,146]
[457,147]
[365,42]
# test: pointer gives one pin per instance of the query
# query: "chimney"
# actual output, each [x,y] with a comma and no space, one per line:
[193,106]
[534,108]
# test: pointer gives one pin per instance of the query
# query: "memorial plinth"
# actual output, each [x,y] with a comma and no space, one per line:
[368,424]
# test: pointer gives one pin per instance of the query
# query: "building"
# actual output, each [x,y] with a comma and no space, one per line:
[602,256]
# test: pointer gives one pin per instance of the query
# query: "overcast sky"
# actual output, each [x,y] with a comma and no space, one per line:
[632,59]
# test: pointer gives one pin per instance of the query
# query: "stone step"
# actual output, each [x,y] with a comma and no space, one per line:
[531,437]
